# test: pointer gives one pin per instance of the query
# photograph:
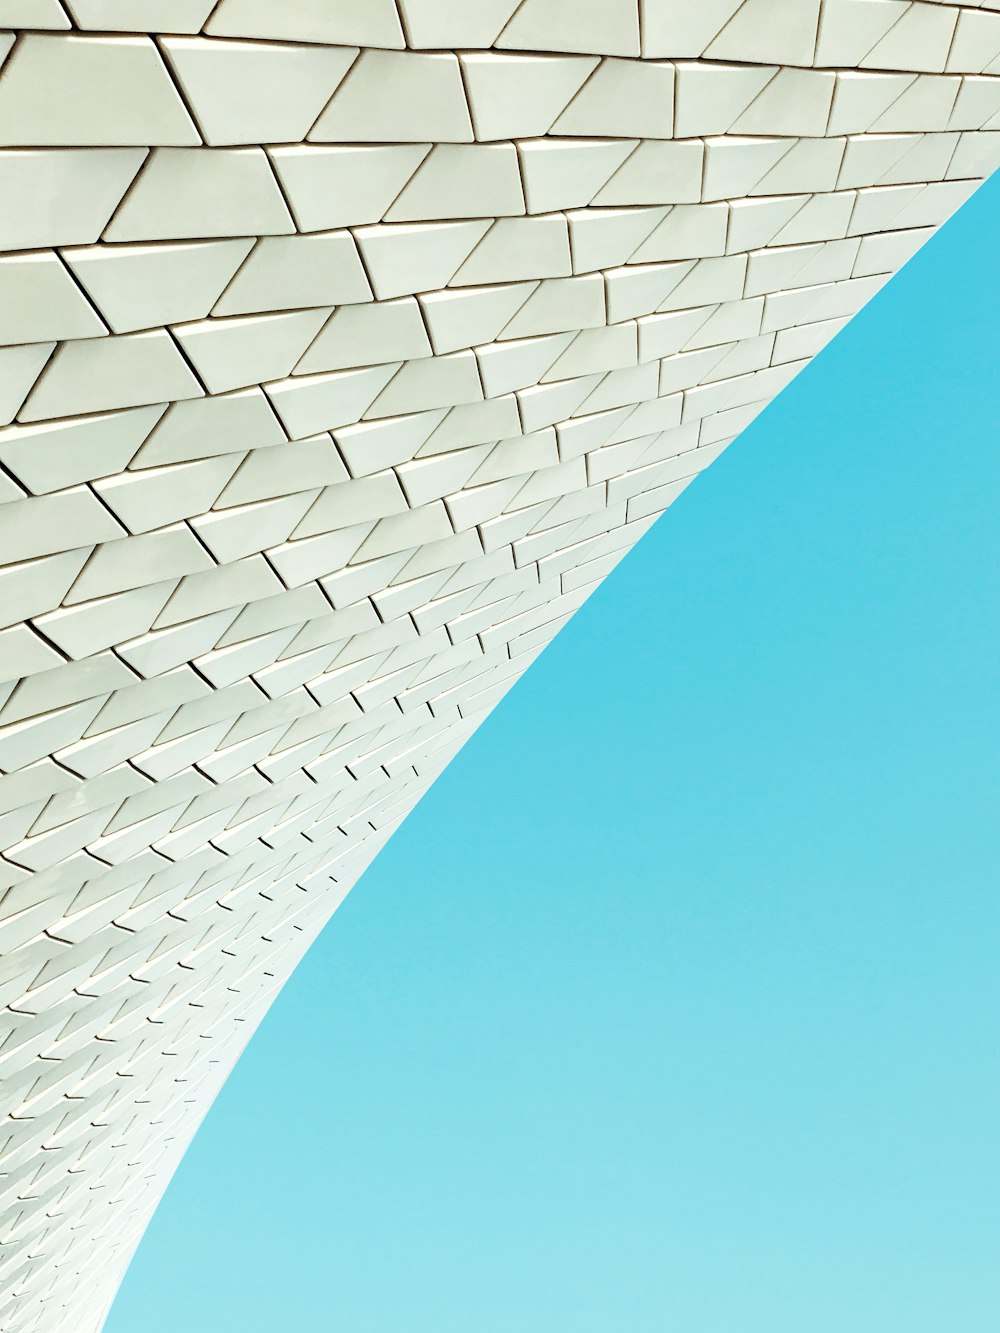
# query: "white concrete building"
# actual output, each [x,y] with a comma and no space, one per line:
[345,346]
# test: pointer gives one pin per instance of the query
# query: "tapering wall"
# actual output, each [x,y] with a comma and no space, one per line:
[345,347]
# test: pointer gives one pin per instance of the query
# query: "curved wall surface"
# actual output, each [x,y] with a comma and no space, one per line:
[345,346]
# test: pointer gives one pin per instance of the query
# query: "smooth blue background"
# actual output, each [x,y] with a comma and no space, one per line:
[675,1005]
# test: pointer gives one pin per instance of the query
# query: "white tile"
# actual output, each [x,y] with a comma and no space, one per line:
[19,369]
[440,381]
[151,558]
[353,502]
[341,187]
[124,371]
[689,231]
[462,181]
[237,584]
[308,404]
[294,272]
[427,479]
[142,286]
[256,92]
[61,196]
[299,466]
[607,27]
[518,364]
[467,316]
[350,22]
[202,192]
[402,258]
[23,653]
[657,173]
[795,102]
[52,523]
[515,249]
[310,558]
[851,28]
[454,24]
[861,97]
[521,96]
[111,91]
[80,631]
[157,497]
[594,350]
[977,42]
[427,102]
[246,350]
[677,28]
[371,446]
[140,15]
[57,454]
[623,100]
[561,305]
[569,173]
[30,587]
[920,40]
[778,30]
[205,427]
[405,531]
[39,301]
[735,166]
[606,237]
[44,14]
[245,530]
[368,335]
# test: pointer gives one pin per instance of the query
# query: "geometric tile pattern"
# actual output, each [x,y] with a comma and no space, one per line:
[345,347]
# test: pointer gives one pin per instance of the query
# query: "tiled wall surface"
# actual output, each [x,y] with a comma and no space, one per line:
[345,346]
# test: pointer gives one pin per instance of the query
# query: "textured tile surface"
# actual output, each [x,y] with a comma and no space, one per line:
[345,347]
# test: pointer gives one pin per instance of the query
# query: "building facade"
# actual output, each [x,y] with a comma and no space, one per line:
[345,347]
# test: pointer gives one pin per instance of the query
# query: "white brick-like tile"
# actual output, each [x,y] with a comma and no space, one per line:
[345,347]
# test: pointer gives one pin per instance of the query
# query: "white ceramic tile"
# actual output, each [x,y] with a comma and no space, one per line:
[623,100]
[56,454]
[202,192]
[607,27]
[61,196]
[140,15]
[368,335]
[771,30]
[142,286]
[111,91]
[656,173]
[124,371]
[466,316]
[293,272]
[362,22]
[427,101]
[157,497]
[676,28]
[204,427]
[459,181]
[569,173]
[402,259]
[41,14]
[341,187]
[521,96]
[246,350]
[39,301]
[515,249]
[437,24]
[256,92]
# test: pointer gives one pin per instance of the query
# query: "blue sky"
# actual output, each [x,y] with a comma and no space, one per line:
[675,1004]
